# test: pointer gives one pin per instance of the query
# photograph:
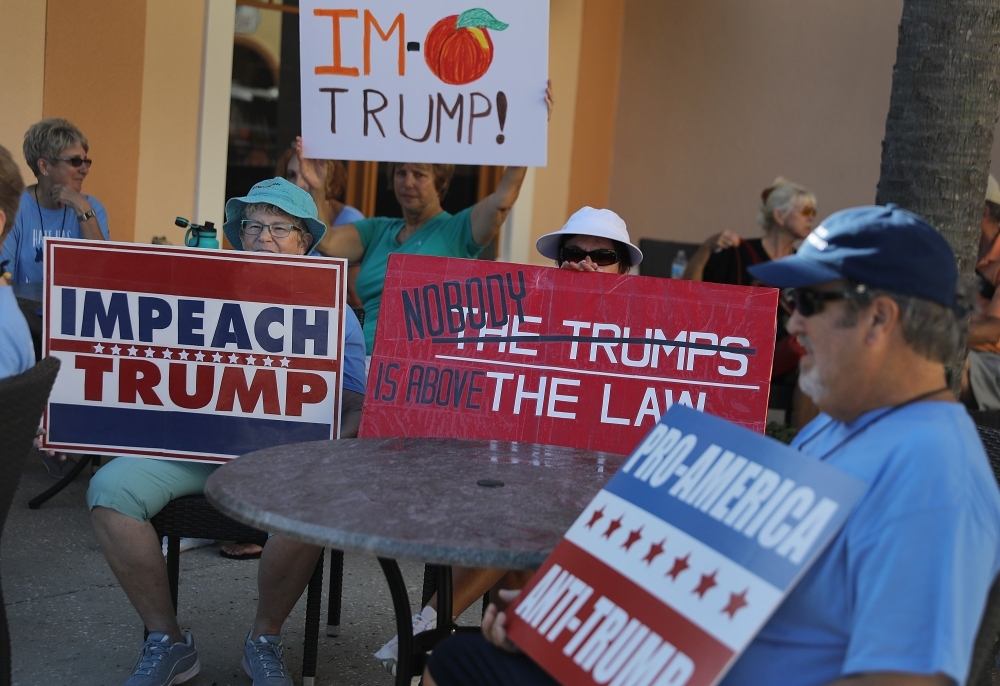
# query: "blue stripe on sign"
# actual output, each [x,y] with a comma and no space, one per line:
[175,431]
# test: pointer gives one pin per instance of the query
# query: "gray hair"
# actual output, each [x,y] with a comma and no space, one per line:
[782,197]
[934,331]
[253,207]
[48,138]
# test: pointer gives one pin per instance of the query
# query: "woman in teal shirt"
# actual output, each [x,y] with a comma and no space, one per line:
[424,229]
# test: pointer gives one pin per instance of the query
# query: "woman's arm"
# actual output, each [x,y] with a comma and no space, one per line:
[488,214]
[342,240]
[696,265]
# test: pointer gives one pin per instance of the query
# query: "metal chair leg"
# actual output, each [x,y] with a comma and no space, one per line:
[37,501]
[314,600]
[336,592]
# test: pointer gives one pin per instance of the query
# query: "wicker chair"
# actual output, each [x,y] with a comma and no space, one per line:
[22,401]
[987,645]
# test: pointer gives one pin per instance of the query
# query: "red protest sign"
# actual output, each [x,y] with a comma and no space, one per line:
[191,354]
[537,354]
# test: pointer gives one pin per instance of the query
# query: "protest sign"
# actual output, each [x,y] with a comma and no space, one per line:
[678,562]
[492,350]
[191,354]
[443,81]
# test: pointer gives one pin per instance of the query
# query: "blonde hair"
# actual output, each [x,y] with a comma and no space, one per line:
[782,197]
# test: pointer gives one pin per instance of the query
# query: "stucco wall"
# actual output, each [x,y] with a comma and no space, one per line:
[22,52]
[718,97]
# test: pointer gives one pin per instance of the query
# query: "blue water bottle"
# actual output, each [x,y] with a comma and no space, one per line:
[203,236]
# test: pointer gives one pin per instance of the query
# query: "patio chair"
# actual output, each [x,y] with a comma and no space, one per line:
[22,401]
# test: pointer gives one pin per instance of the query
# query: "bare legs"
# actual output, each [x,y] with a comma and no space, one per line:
[285,569]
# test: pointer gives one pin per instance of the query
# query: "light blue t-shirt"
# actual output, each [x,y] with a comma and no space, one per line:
[17,352]
[903,585]
[348,215]
[23,246]
[354,355]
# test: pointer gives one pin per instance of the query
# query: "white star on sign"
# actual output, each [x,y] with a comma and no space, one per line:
[150,352]
[233,358]
[115,350]
[132,351]
[98,348]
[267,361]
[216,357]
[284,361]
[184,354]
[167,354]
[199,356]
[251,360]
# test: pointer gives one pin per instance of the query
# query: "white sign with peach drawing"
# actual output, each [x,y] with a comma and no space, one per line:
[448,81]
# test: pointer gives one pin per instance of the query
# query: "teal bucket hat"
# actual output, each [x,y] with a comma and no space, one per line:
[284,195]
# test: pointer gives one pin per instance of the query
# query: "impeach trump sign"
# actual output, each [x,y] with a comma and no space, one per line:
[442,81]
[543,355]
[676,564]
[191,354]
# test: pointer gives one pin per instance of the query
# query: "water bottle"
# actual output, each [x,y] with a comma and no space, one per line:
[679,265]
[198,236]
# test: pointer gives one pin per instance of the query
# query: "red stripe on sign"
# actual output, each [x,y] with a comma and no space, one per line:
[710,656]
[311,282]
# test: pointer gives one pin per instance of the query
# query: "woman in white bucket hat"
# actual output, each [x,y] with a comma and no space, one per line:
[592,240]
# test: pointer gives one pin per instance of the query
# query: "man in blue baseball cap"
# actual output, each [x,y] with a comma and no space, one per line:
[276,217]
[898,596]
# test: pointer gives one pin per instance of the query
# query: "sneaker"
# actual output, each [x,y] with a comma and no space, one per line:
[388,654]
[262,661]
[162,663]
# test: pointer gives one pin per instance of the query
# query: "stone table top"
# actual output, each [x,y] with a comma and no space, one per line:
[417,497]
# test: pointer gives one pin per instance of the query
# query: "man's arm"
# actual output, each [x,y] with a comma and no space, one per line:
[985,330]
[893,679]
[350,414]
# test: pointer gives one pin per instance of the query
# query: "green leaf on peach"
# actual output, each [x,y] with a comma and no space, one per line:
[480,19]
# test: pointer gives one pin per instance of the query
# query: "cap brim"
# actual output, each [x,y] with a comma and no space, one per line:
[793,272]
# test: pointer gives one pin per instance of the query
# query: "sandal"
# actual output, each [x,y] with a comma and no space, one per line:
[245,551]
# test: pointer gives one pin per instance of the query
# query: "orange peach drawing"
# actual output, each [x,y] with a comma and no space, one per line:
[458,49]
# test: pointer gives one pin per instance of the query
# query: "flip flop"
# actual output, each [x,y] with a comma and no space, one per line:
[239,556]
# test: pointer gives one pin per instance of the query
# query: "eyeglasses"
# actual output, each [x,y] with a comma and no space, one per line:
[75,161]
[808,211]
[604,257]
[250,227]
[809,302]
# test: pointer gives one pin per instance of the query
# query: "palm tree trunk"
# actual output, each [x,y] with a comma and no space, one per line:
[942,114]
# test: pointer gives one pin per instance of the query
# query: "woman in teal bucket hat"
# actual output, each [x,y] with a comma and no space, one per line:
[276,216]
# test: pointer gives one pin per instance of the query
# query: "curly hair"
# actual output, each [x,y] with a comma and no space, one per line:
[48,138]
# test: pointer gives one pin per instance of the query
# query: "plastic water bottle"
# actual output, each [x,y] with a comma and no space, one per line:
[679,265]
[198,236]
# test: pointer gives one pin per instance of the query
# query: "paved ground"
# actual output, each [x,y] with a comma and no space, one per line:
[71,623]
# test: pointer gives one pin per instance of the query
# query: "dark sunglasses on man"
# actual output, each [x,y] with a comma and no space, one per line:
[74,162]
[605,257]
[809,302]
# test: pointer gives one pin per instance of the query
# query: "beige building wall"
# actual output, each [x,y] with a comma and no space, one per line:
[22,54]
[718,97]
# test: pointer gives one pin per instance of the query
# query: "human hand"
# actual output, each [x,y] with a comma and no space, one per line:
[721,241]
[38,442]
[549,101]
[313,171]
[64,195]
[495,623]
[585,266]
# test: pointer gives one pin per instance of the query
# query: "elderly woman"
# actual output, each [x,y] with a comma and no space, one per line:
[17,353]
[591,241]
[275,217]
[424,229]
[55,206]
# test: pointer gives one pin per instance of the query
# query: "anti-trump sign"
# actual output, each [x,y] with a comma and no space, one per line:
[443,81]
[544,355]
[674,567]
[190,354]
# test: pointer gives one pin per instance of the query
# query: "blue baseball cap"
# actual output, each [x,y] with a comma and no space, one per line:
[284,195]
[882,247]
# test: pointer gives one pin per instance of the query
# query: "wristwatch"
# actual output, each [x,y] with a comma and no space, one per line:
[90,214]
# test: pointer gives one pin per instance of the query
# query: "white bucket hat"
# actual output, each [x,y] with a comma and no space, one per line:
[588,221]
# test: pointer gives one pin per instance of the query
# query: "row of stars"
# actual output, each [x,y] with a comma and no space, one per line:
[199,356]
[737,601]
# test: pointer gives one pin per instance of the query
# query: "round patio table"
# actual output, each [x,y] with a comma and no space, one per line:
[442,501]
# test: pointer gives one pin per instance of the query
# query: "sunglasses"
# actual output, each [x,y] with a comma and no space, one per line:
[808,211]
[809,302]
[74,162]
[605,257]
[250,227]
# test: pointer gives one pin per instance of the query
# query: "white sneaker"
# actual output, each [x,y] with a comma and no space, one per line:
[388,654]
